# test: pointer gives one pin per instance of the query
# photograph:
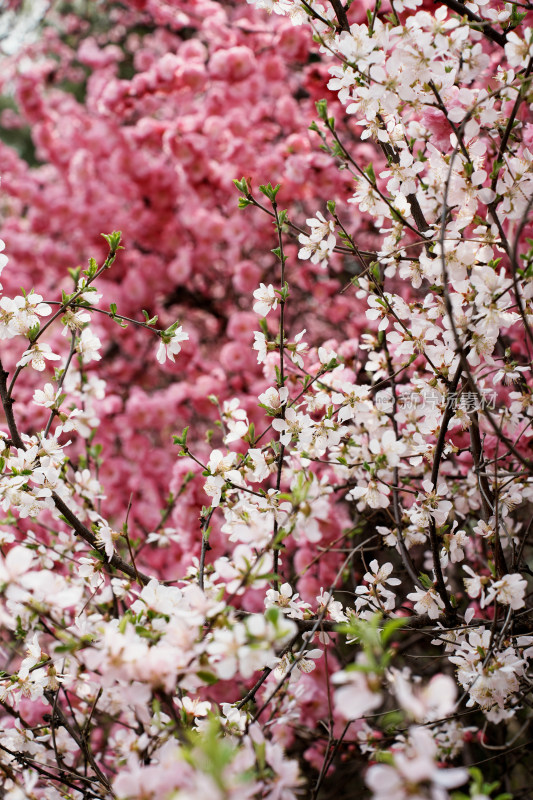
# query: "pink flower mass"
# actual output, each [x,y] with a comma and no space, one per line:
[266,324]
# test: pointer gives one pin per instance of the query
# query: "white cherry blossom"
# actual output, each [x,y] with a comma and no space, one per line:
[37,355]
[266,299]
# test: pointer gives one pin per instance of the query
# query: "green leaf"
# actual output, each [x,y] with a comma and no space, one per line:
[250,436]
[92,269]
[322,109]
[242,185]
[390,628]
[425,580]
[283,292]
[496,167]
[207,677]
[182,440]
[270,191]
[113,240]
[371,175]
[33,331]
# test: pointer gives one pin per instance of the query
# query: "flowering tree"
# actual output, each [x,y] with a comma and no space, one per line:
[331,587]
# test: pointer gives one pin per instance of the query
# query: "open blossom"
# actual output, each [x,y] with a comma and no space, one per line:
[170,344]
[243,568]
[34,304]
[357,694]
[289,601]
[80,420]
[261,345]
[489,675]
[519,50]
[380,575]
[276,6]
[221,470]
[28,504]
[389,446]
[374,494]
[509,590]
[74,320]
[88,346]
[432,503]
[45,397]
[266,299]
[3,258]
[274,398]
[20,314]
[332,609]
[318,252]
[417,763]
[454,546]
[427,601]
[34,655]
[235,420]
[378,309]
[294,426]
[88,485]
[248,647]
[260,468]
[320,243]
[424,703]
[37,355]
[475,584]
[375,596]
[320,227]
[304,663]
[296,349]
[509,373]
[16,565]
[193,706]
[485,529]
[105,538]
[353,399]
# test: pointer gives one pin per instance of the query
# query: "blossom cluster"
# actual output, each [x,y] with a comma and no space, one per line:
[225,615]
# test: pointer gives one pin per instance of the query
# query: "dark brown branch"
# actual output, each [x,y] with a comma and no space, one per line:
[81,743]
[487,497]
[477,23]
[439,450]
[406,558]
[7,403]
[88,536]
[340,13]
